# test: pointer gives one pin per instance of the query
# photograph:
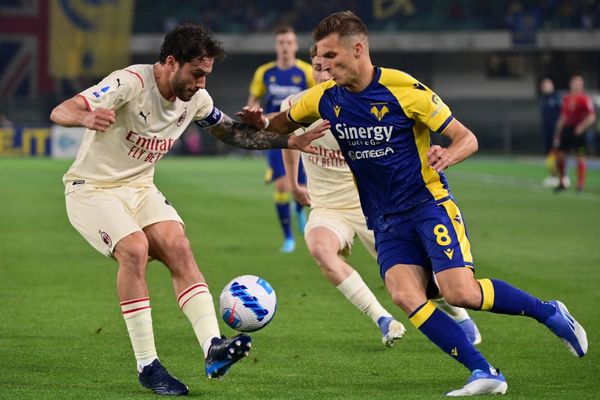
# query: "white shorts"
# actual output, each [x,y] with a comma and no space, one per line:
[104,216]
[346,224]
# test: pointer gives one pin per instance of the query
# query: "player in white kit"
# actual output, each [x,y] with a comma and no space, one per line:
[133,117]
[336,218]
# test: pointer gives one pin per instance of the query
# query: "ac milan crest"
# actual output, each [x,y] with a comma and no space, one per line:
[182,118]
[105,238]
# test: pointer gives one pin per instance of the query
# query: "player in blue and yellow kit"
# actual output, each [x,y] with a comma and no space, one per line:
[382,120]
[271,84]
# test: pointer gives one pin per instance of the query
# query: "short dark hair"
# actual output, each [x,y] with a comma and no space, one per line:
[189,41]
[344,23]
[284,29]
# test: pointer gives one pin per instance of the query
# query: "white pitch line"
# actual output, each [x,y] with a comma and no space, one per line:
[528,183]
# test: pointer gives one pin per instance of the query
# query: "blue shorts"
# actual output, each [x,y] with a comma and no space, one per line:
[277,169]
[431,235]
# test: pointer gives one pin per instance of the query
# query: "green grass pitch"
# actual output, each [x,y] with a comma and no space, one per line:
[62,335]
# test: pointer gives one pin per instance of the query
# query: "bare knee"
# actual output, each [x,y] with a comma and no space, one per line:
[133,249]
[322,253]
[181,247]
[408,300]
[465,296]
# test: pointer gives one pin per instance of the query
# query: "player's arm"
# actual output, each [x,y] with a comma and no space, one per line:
[249,137]
[74,112]
[588,121]
[464,143]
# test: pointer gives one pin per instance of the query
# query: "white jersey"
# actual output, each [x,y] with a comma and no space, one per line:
[330,181]
[146,127]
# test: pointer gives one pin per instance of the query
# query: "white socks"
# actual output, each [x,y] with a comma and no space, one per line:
[138,318]
[197,305]
[358,293]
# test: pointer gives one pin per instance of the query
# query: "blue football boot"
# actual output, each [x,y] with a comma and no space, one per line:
[563,325]
[482,382]
[470,329]
[288,246]
[223,353]
[156,378]
[391,330]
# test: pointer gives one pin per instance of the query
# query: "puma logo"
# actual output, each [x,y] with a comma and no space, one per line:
[144,116]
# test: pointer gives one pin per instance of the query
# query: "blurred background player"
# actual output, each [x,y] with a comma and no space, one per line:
[550,103]
[273,82]
[576,116]
[336,218]
[133,117]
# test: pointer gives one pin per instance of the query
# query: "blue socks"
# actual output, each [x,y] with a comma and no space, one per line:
[502,298]
[448,336]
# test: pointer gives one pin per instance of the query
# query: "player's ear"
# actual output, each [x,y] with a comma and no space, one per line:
[359,48]
[170,62]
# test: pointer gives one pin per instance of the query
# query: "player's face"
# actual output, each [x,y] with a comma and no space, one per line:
[339,59]
[576,84]
[319,73]
[286,45]
[547,86]
[190,77]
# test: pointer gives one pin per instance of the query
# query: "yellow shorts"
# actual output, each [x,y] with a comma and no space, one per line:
[104,216]
[345,224]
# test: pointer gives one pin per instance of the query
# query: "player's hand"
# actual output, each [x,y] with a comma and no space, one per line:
[438,158]
[98,120]
[253,116]
[301,195]
[302,142]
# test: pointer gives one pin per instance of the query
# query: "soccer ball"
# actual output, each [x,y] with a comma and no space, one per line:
[247,303]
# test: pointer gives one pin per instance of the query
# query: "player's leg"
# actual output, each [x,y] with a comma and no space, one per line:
[404,267]
[100,216]
[326,237]
[580,149]
[167,242]
[132,254]
[458,314]
[282,196]
[462,317]
[407,284]
[448,245]
[561,160]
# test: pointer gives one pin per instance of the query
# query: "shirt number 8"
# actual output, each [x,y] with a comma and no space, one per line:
[441,235]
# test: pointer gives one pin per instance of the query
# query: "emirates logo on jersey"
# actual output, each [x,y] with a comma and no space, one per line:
[182,118]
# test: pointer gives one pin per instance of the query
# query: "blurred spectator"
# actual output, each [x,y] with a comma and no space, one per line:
[550,103]
[240,16]
[576,116]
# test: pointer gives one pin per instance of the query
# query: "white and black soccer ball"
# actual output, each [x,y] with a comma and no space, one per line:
[247,303]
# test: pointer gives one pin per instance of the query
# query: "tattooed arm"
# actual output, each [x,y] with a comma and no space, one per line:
[248,137]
